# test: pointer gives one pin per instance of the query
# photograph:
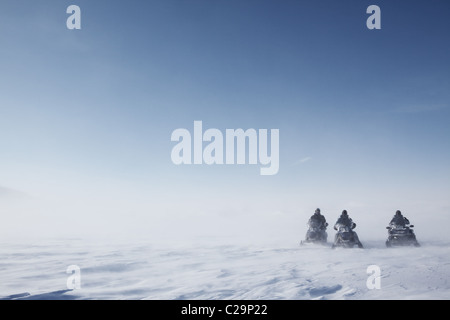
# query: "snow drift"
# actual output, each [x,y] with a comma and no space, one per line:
[221,271]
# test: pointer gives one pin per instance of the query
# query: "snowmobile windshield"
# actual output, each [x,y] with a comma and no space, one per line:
[342,228]
[395,226]
[314,224]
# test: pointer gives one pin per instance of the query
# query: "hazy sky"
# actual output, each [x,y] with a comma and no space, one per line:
[86,115]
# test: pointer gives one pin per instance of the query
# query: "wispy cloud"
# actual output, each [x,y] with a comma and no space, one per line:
[302,161]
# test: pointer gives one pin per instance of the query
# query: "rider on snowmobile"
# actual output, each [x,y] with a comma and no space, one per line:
[345,220]
[317,221]
[317,216]
[399,220]
[400,231]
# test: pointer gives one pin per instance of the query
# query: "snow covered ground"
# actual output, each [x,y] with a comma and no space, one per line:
[221,271]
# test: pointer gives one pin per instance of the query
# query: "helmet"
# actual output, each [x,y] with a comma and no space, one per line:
[398,213]
[344,213]
[317,211]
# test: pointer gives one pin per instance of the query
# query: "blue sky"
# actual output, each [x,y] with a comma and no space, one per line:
[86,115]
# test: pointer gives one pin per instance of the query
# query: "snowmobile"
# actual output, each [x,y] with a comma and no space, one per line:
[401,235]
[346,237]
[316,233]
